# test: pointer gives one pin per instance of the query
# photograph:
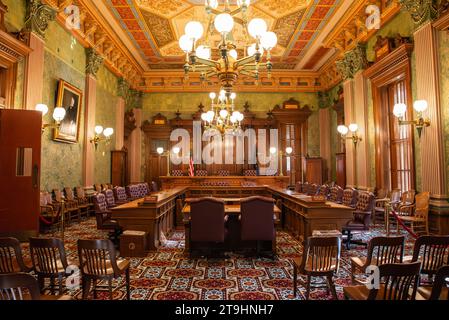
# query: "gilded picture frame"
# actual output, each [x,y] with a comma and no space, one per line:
[70,98]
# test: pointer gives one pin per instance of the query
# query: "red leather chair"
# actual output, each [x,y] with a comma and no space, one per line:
[207,222]
[336,194]
[350,197]
[257,221]
[109,195]
[120,195]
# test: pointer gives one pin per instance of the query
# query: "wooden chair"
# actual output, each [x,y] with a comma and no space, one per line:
[50,212]
[439,290]
[11,259]
[49,261]
[350,197]
[321,258]
[381,250]
[110,200]
[103,217]
[417,214]
[394,202]
[398,281]
[11,288]
[120,195]
[432,252]
[83,200]
[98,187]
[82,206]
[382,198]
[70,207]
[324,190]
[336,194]
[98,262]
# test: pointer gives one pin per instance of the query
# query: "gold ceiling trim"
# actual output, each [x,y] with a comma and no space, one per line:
[351,29]
[95,33]
[280,81]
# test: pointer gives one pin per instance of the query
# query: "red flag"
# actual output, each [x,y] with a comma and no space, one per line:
[191,168]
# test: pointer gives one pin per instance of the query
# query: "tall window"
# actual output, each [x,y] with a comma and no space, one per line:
[401,141]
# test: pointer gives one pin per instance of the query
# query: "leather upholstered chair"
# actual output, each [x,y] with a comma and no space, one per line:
[11,258]
[49,261]
[103,216]
[299,187]
[109,196]
[350,197]
[50,212]
[336,194]
[11,288]
[313,189]
[249,173]
[98,262]
[361,217]
[257,221]
[381,250]
[324,190]
[177,173]
[223,173]
[399,281]
[207,221]
[120,195]
[201,173]
[132,192]
[321,258]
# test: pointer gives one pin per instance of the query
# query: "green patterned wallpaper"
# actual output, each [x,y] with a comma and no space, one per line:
[444,87]
[64,59]
[18,96]
[15,18]
[105,116]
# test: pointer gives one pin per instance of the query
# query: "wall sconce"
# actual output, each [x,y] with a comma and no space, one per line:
[58,116]
[97,138]
[161,152]
[420,106]
[353,127]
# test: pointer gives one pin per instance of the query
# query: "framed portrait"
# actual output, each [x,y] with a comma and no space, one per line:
[70,98]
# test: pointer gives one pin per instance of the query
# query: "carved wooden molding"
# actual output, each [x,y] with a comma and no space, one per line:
[129,123]
[443,22]
[388,63]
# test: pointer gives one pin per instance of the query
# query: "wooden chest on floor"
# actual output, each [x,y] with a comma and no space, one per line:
[133,243]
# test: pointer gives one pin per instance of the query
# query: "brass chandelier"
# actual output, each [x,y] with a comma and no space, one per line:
[228,67]
[222,116]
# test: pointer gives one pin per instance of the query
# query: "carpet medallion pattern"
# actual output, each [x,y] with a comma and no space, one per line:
[169,274]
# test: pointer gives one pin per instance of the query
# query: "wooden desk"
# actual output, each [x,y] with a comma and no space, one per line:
[301,216]
[226,181]
[229,209]
[152,218]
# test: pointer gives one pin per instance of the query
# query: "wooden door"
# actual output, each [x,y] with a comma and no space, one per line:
[20,156]
[119,168]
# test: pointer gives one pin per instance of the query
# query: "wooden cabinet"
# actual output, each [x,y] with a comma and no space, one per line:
[340,161]
[119,168]
[313,170]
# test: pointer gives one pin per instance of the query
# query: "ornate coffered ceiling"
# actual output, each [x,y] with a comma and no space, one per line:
[154,27]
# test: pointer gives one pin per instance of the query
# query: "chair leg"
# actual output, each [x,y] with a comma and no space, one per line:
[352,273]
[95,288]
[52,284]
[309,279]
[60,283]
[331,284]
[110,288]
[86,288]
[295,280]
[127,285]
[41,282]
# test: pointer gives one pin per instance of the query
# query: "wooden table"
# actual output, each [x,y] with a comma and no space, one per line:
[152,218]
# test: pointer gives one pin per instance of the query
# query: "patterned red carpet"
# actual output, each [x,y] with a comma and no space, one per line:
[169,274]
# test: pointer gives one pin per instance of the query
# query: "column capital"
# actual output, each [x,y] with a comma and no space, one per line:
[352,62]
[423,11]
[123,88]
[94,61]
[38,17]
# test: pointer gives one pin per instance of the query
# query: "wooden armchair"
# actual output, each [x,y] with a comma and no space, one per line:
[381,250]
[336,194]
[350,197]
[11,259]
[399,281]
[324,190]
[83,199]
[416,214]
[439,290]
[98,262]
[11,286]
[109,196]
[69,209]
[382,199]
[50,213]
[82,206]
[49,261]
[321,258]
[432,252]
[120,195]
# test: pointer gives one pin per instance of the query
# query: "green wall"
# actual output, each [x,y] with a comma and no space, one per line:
[15,18]
[444,86]
[105,116]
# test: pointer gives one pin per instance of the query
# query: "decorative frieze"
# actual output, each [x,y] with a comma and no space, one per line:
[352,62]
[94,62]
[421,11]
[38,17]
